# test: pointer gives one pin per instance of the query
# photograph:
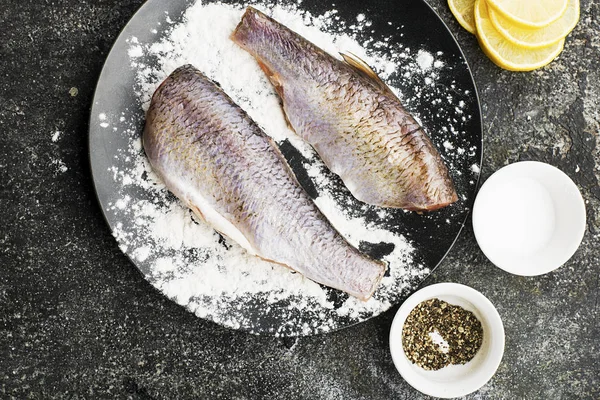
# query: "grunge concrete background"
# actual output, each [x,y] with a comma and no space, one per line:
[78,321]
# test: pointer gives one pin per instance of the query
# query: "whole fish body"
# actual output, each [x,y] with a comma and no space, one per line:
[218,162]
[352,119]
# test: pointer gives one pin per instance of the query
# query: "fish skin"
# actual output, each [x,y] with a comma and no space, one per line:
[216,160]
[353,120]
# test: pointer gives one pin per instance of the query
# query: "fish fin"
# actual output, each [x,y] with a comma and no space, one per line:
[275,262]
[273,78]
[364,69]
[197,212]
[287,121]
[276,82]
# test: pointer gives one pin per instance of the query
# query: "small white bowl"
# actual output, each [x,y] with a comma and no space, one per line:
[453,380]
[529,218]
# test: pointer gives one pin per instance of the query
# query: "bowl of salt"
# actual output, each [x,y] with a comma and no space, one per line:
[447,340]
[529,218]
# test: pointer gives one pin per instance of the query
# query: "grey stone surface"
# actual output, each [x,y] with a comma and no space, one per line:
[78,321]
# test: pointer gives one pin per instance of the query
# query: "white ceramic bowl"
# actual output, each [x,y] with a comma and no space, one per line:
[453,380]
[529,218]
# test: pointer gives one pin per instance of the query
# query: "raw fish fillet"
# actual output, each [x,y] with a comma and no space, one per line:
[216,160]
[352,119]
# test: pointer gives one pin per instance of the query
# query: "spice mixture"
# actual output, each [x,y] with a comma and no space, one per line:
[436,334]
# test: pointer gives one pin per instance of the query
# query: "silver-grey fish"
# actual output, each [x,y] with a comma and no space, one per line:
[216,160]
[352,119]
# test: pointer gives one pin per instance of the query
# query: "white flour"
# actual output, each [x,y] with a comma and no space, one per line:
[59,166]
[186,259]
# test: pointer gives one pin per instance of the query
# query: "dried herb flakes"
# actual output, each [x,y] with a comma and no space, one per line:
[436,334]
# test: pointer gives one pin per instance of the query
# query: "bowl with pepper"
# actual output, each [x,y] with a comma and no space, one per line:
[447,340]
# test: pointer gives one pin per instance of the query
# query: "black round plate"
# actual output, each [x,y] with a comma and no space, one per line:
[410,24]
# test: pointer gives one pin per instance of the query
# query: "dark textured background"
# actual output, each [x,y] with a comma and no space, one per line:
[77,320]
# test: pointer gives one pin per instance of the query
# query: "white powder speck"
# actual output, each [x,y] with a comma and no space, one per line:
[56,136]
[60,166]
[135,51]
[122,203]
[436,338]
[183,256]
[141,253]
[577,169]
[475,168]
[425,60]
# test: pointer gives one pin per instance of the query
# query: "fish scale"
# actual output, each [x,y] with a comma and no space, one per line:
[353,120]
[220,164]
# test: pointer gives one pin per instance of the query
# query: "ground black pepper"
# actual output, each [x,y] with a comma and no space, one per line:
[459,328]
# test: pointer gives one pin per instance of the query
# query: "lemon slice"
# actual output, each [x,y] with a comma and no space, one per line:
[505,54]
[530,13]
[536,38]
[463,12]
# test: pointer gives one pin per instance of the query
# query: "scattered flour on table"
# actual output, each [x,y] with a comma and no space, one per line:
[59,166]
[188,260]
